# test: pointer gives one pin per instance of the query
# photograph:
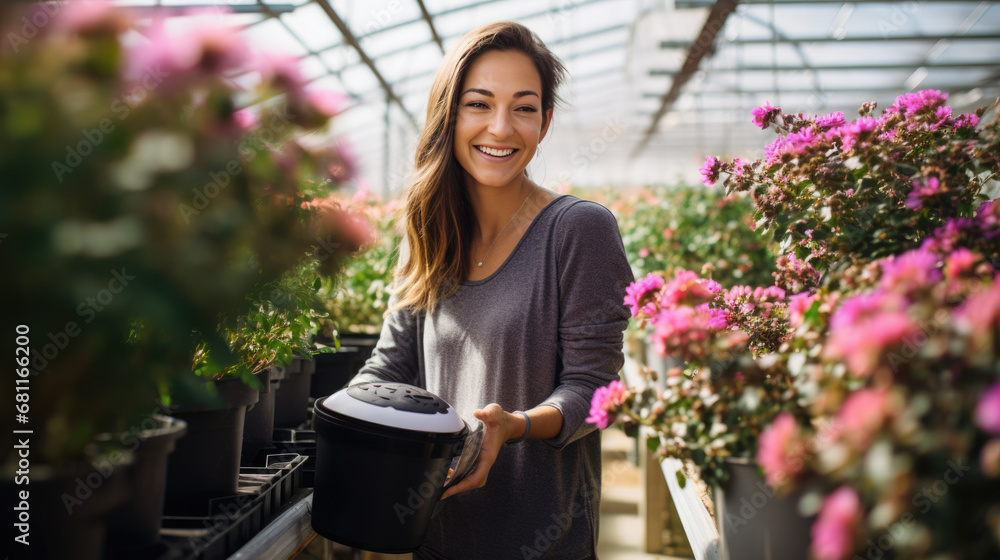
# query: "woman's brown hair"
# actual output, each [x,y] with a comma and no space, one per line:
[438,216]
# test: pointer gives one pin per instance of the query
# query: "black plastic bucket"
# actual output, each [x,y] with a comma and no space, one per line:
[377,485]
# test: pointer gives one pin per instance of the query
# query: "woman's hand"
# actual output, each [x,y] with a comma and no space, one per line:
[500,427]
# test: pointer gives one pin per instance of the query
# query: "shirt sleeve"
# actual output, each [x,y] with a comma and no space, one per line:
[593,274]
[396,357]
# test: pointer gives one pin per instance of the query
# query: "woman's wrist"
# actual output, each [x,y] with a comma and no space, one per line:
[519,427]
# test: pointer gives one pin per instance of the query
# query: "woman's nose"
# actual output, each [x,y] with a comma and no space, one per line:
[500,125]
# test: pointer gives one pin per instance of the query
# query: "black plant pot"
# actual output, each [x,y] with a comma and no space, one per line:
[335,369]
[65,510]
[136,523]
[258,426]
[291,401]
[206,462]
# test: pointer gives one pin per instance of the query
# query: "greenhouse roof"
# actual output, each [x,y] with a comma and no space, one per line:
[654,85]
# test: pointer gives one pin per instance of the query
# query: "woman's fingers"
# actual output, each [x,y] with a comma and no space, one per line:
[495,419]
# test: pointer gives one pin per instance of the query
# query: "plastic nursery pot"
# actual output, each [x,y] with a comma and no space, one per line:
[206,462]
[64,511]
[335,369]
[135,524]
[383,452]
[258,426]
[291,401]
[756,524]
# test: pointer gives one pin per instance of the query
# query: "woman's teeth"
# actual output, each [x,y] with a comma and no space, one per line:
[495,152]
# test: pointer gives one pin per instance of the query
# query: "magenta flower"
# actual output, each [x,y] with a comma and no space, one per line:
[765,115]
[922,189]
[833,532]
[981,312]
[710,171]
[644,252]
[864,326]
[988,410]
[850,134]
[205,47]
[245,119]
[912,103]
[861,416]
[740,167]
[688,287]
[780,450]
[81,16]
[959,261]
[325,102]
[831,120]
[966,120]
[606,403]
[798,305]
[913,270]
[640,295]
[988,216]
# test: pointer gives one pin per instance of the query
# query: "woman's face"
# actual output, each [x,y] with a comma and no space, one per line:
[500,120]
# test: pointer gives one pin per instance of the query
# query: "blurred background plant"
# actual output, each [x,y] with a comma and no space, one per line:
[141,201]
[356,299]
[668,228]
[875,386]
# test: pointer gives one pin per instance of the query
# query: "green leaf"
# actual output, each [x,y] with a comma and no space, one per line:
[681,479]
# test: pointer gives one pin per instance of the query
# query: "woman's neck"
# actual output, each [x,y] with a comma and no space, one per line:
[495,207]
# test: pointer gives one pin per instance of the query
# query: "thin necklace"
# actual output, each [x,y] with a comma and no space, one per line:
[481,261]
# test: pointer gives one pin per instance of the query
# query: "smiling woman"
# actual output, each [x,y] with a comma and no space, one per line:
[508,304]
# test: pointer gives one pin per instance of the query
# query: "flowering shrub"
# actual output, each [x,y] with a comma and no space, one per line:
[691,228]
[872,366]
[356,299]
[144,195]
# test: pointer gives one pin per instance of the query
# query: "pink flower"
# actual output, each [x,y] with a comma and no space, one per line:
[780,450]
[831,120]
[245,119]
[710,171]
[912,103]
[606,403]
[861,416]
[864,326]
[988,410]
[325,102]
[850,134]
[910,271]
[765,115]
[833,532]
[205,47]
[644,252]
[966,120]
[921,190]
[981,312]
[688,287]
[740,167]
[798,305]
[640,295]
[82,16]
[959,261]
[988,216]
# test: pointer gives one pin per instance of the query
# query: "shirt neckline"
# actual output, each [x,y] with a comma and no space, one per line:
[517,247]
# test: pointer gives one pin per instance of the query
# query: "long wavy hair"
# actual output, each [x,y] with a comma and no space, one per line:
[438,215]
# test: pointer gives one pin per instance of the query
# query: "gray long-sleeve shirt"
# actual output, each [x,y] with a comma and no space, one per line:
[544,329]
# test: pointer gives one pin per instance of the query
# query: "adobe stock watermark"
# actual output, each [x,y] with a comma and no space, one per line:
[379,20]
[256,141]
[32,24]
[899,17]
[103,468]
[121,107]
[416,498]
[923,501]
[87,310]
[561,523]
[562,10]
[584,154]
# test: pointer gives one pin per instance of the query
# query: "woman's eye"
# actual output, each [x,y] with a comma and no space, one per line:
[528,108]
[476,104]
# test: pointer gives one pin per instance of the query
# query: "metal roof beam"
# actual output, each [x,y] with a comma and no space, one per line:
[350,39]
[890,39]
[689,4]
[839,67]
[700,47]
[430,23]
[827,91]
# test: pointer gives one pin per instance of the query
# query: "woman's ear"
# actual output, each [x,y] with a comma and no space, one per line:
[545,125]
